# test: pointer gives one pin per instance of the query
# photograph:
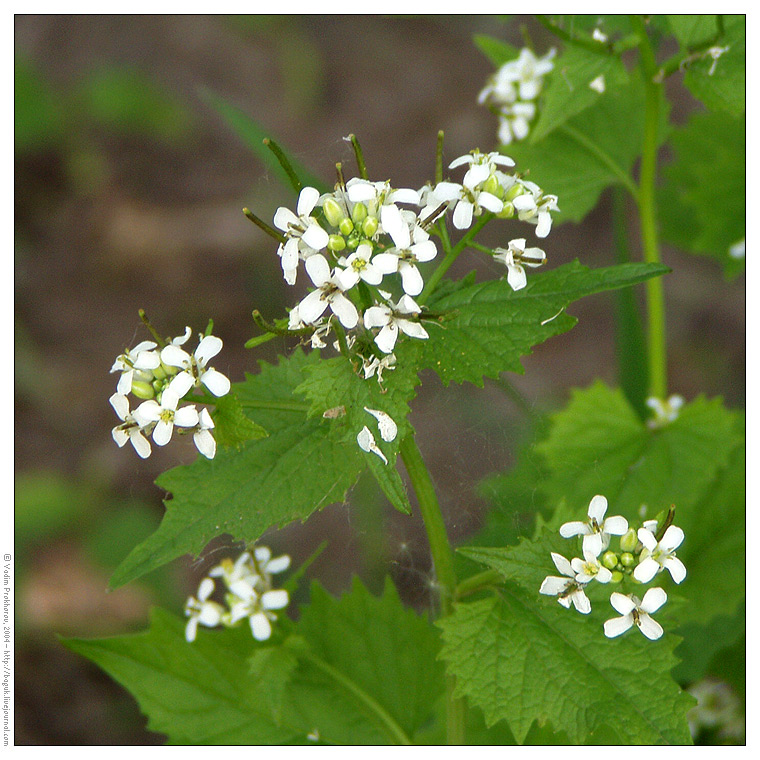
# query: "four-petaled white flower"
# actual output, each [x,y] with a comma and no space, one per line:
[329,293]
[596,531]
[141,358]
[514,256]
[259,609]
[514,121]
[359,266]
[656,556]
[589,568]
[467,202]
[535,206]
[528,72]
[635,612]
[378,193]
[166,415]
[303,233]
[568,589]
[202,611]
[202,437]
[130,429]
[665,411]
[392,319]
[481,166]
[367,443]
[195,369]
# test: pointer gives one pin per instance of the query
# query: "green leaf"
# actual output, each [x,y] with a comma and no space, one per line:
[568,93]
[497,51]
[492,326]
[722,87]
[693,29]
[232,427]
[521,657]
[254,135]
[301,467]
[199,693]
[703,199]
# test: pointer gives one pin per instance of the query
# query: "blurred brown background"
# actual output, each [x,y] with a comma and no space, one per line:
[129,190]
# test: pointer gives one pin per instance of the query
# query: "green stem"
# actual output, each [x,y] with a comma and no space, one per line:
[284,163]
[656,348]
[383,718]
[261,224]
[451,257]
[152,330]
[478,582]
[443,563]
[361,166]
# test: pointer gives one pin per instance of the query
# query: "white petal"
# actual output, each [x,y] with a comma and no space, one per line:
[278,564]
[653,600]
[315,237]
[260,626]
[581,601]
[344,310]
[646,570]
[516,277]
[376,316]
[672,539]
[175,356]
[208,348]
[284,217]
[121,436]
[120,404]
[205,443]
[597,508]
[361,191]
[210,615]
[563,565]
[162,433]
[386,338]
[424,251]
[502,160]
[617,626]
[365,439]
[289,255]
[318,269]
[461,161]
[180,340]
[676,568]
[124,386]
[463,215]
[524,202]
[544,226]
[616,525]
[140,444]
[407,305]
[412,329]
[347,277]
[447,191]
[411,279]
[178,387]
[307,199]
[490,202]
[395,226]
[216,382]
[622,603]
[275,600]
[476,174]
[387,263]
[386,425]
[191,629]
[147,360]
[553,585]
[647,538]
[603,575]
[575,528]
[565,601]
[371,274]
[405,195]
[148,411]
[649,627]
[205,589]
[313,306]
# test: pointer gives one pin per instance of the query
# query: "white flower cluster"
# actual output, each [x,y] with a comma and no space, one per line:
[511,92]
[162,378]
[642,556]
[664,411]
[718,710]
[249,594]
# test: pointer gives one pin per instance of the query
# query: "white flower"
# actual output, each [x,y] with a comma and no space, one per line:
[386,425]
[269,565]
[467,202]
[589,568]
[304,235]
[194,368]
[598,84]
[204,440]
[656,556]
[374,366]
[130,430]
[568,589]
[201,610]
[635,612]
[596,532]
[599,35]
[392,319]
[367,443]
[258,608]
[378,194]
[514,121]
[718,707]
[534,206]
[358,266]
[141,357]
[240,577]
[329,293]
[665,411]
[738,250]
[481,166]
[411,248]
[521,77]
[166,415]
[514,256]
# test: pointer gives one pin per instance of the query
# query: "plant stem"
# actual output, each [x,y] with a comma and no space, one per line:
[478,582]
[656,349]
[443,563]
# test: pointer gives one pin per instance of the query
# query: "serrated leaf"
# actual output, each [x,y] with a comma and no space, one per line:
[522,657]
[333,384]
[710,164]
[722,87]
[244,493]
[693,29]
[197,693]
[492,326]
[253,135]
[568,92]
[232,427]
[497,51]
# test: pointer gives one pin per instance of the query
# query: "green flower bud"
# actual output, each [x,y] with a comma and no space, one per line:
[610,560]
[514,191]
[333,212]
[629,540]
[627,559]
[353,242]
[346,226]
[161,372]
[369,227]
[491,185]
[336,243]
[617,576]
[142,389]
[507,212]
[359,214]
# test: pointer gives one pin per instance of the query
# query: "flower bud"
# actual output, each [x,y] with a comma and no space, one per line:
[369,227]
[346,226]
[507,212]
[161,372]
[491,185]
[514,191]
[142,389]
[617,576]
[610,560]
[333,212]
[353,242]
[627,559]
[336,243]
[629,540]
[359,214]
